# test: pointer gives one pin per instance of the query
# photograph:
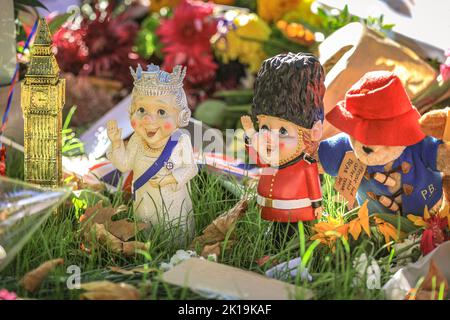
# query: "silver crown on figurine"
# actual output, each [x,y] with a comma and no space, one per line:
[156,82]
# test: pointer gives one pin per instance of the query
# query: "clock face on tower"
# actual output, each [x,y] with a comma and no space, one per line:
[39,99]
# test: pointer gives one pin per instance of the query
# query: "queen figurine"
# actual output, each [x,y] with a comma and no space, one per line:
[159,153]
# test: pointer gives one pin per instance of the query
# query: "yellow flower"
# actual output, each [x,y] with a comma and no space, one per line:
[156,5]
[289,10]
[243,41]
[329,231]
[303,13]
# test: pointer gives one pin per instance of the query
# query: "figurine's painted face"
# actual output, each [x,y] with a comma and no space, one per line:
[376,155]
[154,118]
[278,141]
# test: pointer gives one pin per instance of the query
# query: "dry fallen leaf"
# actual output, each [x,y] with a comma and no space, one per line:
[125,230]
[428,291]
[218,229]
[33,279]
[132,271]
[97,214]
[107,290]
[130,247]
[121,271]
[103,236]
[211,249]
[97,220]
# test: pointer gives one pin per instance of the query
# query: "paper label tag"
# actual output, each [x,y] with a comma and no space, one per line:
[349,177]
[446,135]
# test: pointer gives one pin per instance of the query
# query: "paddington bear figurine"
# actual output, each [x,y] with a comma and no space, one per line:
[381,127]
[288,108]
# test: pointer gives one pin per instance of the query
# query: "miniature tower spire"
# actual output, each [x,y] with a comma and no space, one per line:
[42,100]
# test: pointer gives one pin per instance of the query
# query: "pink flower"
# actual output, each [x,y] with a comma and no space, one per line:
[445,67]
[6,295]
[186,38]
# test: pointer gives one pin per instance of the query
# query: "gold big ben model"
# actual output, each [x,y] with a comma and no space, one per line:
[42,100]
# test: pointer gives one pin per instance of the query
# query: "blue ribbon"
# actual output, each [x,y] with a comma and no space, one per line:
[158,164]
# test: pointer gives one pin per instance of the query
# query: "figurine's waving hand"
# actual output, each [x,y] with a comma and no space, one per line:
[114,133]
[247,124]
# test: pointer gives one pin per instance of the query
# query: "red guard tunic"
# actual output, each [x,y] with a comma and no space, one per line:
[289,194]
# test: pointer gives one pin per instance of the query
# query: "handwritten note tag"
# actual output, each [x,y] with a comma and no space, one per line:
[349,177]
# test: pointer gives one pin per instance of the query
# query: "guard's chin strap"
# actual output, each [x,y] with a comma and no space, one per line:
[302,156]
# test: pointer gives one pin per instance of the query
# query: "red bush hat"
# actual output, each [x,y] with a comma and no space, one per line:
[377,111]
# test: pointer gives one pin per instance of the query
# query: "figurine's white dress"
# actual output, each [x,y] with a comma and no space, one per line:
[170,205]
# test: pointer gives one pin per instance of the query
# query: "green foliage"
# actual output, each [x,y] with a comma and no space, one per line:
[211,112]
[250,4]
[377,23]
[333,271]
[58,21]
[27,5]
[71,145]
[225,113]
[147,41]
[331,22]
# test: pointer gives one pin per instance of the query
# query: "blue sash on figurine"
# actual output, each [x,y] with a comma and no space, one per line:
[158,164]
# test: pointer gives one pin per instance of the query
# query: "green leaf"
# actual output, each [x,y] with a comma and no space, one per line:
[30,3]
[235,96]
[211,112]
[90,197]
[58,21]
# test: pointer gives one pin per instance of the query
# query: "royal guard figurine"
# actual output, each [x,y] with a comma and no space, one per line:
[159,153]
[381,128]
[288,108]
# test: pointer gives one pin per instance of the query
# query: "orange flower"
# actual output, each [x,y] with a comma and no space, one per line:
[225,2]
[296,32]
[329,231]
[387,230]
[360,223]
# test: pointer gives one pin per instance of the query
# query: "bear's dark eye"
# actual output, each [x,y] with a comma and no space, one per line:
[141,110]
[264,128]
[161,112]
[283,132]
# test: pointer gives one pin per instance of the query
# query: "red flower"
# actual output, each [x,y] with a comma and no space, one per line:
[434,235]
[100,47]
[3,161]
[186,38]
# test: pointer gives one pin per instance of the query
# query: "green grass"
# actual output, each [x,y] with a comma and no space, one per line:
[59,237]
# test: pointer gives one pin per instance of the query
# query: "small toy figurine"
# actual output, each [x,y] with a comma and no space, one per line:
[381,127]
[158,152]
[288,106]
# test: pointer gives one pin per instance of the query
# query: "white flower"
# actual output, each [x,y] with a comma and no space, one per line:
[2,253]
[177,258]
[368,269]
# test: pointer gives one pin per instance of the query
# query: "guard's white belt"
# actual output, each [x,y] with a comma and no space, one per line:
[283,204]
